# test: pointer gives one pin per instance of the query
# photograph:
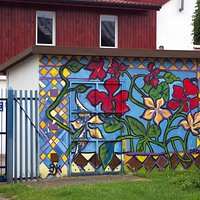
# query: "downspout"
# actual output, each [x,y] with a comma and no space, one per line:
[182,6]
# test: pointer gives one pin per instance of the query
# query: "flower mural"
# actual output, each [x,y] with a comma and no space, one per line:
[192,123]
[155,112]
[97,70]
[185,96]
[110,100]
[151,78]
[145,111]
[116,68]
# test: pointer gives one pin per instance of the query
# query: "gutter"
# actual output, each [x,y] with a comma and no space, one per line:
[182,6]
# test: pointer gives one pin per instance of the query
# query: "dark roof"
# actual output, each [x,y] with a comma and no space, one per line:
[44,50]
[138,4]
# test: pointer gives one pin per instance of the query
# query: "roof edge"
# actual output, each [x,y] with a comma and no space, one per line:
[16,59]
[86,3]
[80,51]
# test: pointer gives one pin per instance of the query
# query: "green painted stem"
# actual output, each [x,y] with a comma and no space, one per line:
[53,106]
[73,144]
[150,148]
[168,128]
[128,130]
[134,86]
[129,133]
[184,144]
[120,138]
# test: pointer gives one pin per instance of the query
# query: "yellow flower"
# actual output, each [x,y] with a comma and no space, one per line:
[155,111]
[94,132]
[192,123]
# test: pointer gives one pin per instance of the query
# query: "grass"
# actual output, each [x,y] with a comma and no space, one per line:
[164,185]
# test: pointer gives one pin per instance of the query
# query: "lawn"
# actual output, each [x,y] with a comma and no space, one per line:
[184,185]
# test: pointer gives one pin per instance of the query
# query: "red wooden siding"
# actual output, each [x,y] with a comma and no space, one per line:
[137,30]
[17,31]
[74,27]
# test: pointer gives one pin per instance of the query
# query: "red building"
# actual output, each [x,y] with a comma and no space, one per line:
[80,23]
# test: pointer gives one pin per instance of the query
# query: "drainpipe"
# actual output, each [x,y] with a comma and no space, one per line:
[182,6]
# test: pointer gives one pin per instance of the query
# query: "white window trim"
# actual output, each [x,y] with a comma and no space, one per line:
[116,32]
[53,30]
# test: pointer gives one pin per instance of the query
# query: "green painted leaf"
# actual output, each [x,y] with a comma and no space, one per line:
[136,126]
[147,88]
[141,146]
[74,66]
[170,78]
[161,91]
[111,125]
[106,152]
[154,131]
[81,88]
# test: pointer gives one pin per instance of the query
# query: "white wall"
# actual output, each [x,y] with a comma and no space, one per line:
[25,75]
[2,82]
[174,28]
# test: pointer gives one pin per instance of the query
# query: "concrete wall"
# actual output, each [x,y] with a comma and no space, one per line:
[3,82]
[174,28]
[24,76]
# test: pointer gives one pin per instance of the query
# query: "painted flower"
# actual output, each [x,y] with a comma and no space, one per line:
[150,78]
[192,123]
[87,120]
[116,68]
[97,70]
[90,122]
[111,102]
[182,96]
[155,110]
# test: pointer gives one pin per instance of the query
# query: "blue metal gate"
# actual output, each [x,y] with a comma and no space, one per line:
[22,136]
[3,115]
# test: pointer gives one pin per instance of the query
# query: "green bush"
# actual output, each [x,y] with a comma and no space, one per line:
[189,179]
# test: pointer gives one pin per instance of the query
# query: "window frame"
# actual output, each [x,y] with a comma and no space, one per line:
[116,30]
[53,27]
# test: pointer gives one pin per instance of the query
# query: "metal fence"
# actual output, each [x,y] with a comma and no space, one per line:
[22,151]
[3,115]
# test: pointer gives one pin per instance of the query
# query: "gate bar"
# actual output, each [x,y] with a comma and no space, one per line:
[9,146]
[21,139]
[31,131]
[26,137]
[16,138]
[36,134]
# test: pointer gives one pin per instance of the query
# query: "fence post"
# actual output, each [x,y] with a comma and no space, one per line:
[9,146]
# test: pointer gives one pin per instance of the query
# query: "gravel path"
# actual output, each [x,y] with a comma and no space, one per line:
[56,182]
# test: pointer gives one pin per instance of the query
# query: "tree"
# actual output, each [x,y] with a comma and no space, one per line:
[196,24]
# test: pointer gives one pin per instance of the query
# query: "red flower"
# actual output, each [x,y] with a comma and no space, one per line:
[116,68]
[151,79]
[97,70]
[182,96]
[110,102]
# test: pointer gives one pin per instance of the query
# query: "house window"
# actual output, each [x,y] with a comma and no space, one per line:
[108,31]
[45,28]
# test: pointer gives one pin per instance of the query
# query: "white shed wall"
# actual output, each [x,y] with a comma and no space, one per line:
[25,75]
[174,28]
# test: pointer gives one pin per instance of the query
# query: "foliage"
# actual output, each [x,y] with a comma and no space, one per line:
[196,24]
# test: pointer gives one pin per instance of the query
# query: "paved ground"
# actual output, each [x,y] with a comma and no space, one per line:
[56,182]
